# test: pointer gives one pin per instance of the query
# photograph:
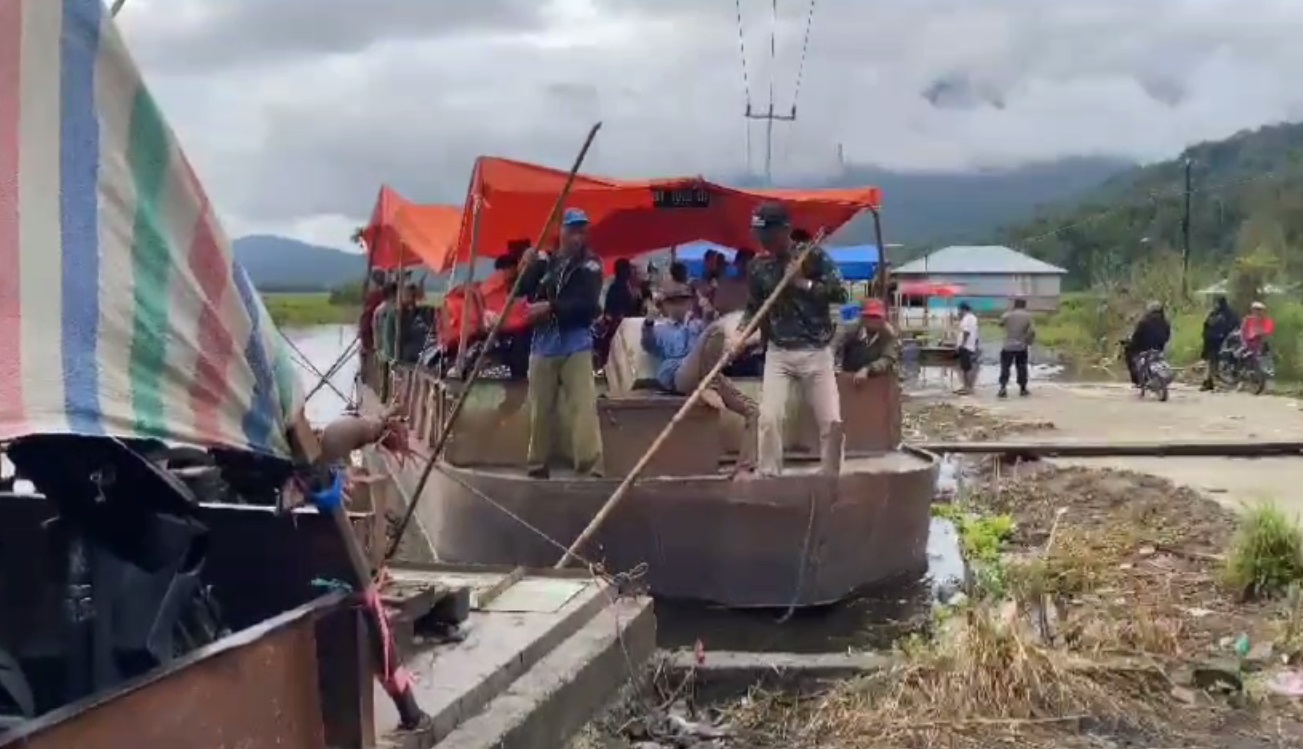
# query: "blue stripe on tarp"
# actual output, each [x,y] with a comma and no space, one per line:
[79,156]
[259,422]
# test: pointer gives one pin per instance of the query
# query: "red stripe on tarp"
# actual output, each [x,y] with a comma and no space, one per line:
[210,392]
[11,308]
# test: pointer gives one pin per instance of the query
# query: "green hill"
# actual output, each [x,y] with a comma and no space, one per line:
[1247,194]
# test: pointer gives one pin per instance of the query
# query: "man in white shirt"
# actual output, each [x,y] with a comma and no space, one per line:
[969,349]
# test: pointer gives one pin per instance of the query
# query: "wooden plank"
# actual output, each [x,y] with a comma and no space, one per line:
[1199,449]
[486,596]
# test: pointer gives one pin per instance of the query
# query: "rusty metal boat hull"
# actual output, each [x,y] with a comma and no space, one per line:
[739,544]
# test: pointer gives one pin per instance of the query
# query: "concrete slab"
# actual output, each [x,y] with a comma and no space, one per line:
[455,682]
[552,701]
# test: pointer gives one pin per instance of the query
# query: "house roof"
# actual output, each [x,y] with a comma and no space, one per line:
[966,259]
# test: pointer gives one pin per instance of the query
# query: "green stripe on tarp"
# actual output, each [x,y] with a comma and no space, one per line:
[149,158]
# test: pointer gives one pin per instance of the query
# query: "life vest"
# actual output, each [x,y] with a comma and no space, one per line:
[488,295]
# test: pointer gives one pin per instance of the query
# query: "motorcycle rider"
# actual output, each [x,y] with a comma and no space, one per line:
[1152,333]
[1220,323]
[1255,330]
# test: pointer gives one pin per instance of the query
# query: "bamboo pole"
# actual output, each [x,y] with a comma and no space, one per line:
[117,8]
[656,444]
[469,283]
[447,427]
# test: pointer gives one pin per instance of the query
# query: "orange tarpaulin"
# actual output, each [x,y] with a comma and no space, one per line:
[490,294]
[404,233]
[630,218]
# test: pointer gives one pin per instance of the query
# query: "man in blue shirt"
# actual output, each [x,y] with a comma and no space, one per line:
[685,350]
[565,292]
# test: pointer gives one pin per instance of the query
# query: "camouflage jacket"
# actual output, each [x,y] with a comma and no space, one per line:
[801,318]
[876,353]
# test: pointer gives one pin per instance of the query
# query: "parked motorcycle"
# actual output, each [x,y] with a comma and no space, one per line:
[1239,367]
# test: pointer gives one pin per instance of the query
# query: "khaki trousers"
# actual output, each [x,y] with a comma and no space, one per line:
[707,352]
[549,377]
[814,374]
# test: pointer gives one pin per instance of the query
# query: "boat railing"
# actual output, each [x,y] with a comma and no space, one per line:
[493,430]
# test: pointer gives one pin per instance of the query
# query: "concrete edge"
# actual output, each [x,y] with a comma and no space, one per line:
[726,675]
[551,702]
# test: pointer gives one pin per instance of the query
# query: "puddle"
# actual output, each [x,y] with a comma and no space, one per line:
[869,620]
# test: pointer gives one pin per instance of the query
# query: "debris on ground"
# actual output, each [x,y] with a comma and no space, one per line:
[934,420]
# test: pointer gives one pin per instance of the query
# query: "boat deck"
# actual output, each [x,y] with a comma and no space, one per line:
[538,659]
[892,462]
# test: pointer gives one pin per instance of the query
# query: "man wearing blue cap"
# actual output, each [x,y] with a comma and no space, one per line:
[564,292]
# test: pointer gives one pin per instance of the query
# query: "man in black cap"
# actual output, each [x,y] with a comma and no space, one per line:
[798,334]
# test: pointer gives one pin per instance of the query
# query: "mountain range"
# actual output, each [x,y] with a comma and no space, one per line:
[921,209]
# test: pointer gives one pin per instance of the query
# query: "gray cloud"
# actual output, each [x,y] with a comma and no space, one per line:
[202,34]
[303,108]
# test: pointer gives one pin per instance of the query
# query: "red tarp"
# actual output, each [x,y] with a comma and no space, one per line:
[404,233]
[929,289]
[630,218]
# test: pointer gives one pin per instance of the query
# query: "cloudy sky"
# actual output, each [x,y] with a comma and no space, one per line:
[295,111]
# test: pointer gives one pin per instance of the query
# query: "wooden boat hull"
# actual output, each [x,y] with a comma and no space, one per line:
[739,544]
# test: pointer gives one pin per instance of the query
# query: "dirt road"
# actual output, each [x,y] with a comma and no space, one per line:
[1112,412]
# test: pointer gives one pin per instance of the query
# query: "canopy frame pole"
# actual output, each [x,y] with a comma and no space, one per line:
[468,383]
[623,489]
[468,285]
[884,265]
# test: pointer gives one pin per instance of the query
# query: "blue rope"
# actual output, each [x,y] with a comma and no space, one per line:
[332,497]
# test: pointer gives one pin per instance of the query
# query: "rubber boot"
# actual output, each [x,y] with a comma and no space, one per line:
[1003,393]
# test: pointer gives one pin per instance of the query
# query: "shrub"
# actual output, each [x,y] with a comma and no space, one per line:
[1266,554]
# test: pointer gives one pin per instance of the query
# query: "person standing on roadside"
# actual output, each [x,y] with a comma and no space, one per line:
[565,291]
[798,334]
[969,349]
[1217,327]
[1019,335]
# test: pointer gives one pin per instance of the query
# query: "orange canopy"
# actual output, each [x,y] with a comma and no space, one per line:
[630,218]
[404,233]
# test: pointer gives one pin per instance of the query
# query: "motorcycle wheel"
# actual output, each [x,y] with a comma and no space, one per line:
[1162,393]
[1259,383]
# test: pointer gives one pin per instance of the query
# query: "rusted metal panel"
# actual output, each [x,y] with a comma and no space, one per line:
[257,689]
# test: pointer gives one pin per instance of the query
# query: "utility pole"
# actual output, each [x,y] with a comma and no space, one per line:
[1185,233]
[770,118]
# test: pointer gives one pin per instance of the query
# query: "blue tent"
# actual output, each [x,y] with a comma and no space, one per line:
[857,262]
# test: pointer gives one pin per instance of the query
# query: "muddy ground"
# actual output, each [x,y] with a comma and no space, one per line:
[1113,572]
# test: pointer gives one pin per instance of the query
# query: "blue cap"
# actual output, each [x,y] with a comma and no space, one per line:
[574,217]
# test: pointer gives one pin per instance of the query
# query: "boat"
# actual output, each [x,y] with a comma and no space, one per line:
[158,585]
[798,539]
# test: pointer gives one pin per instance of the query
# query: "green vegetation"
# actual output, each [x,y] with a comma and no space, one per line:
[1247,190]
[305,309]
[1266,555]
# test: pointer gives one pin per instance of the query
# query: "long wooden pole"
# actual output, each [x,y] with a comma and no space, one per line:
[447,427]
[884,264]
[117,8]
[620,491]
[469,284]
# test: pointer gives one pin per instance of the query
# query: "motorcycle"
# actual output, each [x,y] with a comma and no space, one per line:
[1156,374]
[1237,366]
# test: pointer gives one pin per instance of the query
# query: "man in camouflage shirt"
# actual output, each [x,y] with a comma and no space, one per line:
[798,334]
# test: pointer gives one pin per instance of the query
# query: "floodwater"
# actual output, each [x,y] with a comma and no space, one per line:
[321,347]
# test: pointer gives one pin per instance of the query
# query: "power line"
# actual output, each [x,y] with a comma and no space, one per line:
[805,49]
[746,79]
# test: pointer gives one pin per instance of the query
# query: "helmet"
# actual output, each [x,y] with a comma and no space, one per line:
[1154,306]
[1257,306]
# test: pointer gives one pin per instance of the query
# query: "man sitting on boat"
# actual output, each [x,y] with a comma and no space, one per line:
[565,291]
[685,350]
[872,349]
[798,332]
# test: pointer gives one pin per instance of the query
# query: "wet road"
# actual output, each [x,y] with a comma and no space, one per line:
[1103,412]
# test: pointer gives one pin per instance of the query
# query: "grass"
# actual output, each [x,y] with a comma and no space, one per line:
[306,309]
[1266,554]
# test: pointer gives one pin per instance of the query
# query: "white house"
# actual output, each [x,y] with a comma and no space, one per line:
[991,276]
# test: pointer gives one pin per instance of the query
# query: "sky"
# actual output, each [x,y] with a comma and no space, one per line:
[294,112]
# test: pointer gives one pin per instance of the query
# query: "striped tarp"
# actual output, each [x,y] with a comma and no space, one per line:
[122,310]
